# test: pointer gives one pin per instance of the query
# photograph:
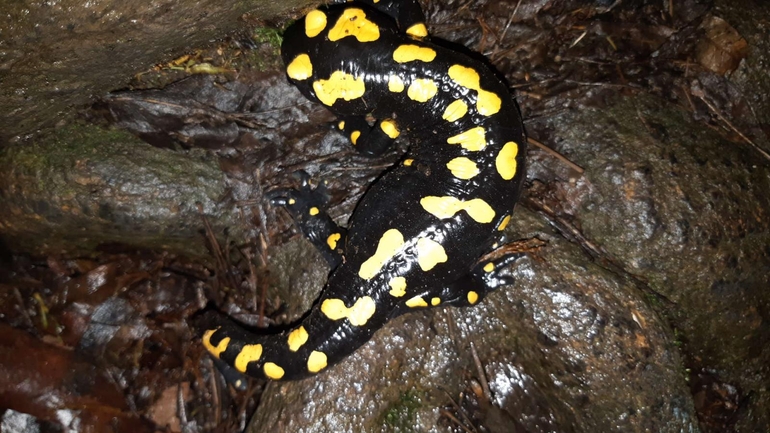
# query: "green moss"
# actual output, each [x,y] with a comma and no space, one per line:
[60,150]
[267,56]
[268,35]
[678,338]
[122,189]
[400,416]
[654,301]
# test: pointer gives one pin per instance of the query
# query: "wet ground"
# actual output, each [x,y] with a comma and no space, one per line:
[641,305]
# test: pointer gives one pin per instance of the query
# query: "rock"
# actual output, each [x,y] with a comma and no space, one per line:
[84,187]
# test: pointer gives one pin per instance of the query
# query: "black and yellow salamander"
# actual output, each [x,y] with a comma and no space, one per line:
[417,236]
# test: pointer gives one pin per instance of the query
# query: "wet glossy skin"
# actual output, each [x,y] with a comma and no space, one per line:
[415,239]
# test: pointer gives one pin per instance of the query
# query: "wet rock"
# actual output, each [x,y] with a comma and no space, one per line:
[55,55]
[85,188]
[687,212]
[751,77]
[570,347]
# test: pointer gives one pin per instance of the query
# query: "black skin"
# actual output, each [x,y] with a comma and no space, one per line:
[393,202]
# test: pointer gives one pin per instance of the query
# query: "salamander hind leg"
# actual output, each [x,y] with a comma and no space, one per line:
[307,206]
[470,289]
[369,140]
[485,277]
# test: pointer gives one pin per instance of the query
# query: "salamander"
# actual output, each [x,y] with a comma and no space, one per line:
[416,238]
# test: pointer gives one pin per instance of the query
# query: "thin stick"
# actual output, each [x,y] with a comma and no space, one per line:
[556,155]
[702,97]
[460,411]
[579,38]
[510,20]
[449,415]
[482,375]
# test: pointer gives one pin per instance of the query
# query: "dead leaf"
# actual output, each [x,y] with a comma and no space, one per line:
[722,47]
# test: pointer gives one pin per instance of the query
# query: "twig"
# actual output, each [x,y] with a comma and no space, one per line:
[460,411]
[532,95]
[510,20]
[556,155]
[612,6]
[22,307]
[689,99]
[215,390]
[702,97]
[217,250]
[449,415]
[644,122]
[599,84]
[181,410]
[482,375]
[579,38]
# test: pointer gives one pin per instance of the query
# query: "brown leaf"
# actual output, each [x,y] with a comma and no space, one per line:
[722,47]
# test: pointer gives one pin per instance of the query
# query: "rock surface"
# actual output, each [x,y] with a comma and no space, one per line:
[56,55]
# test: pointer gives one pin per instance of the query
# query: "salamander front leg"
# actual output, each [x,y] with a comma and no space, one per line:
[307,206]
[407,13]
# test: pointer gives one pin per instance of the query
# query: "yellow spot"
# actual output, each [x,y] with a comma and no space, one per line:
[391,241]
[219,348]
[473,297]
[389,128]
[314,211]
[332,240]
[422,89]
[410,53]
[353,22]
[334,309]
[417,301]
[429,253]
[297,338]
[397,287]
[506,160]
[463,168]
[464,76]
[292,201]
[417,30]
[435,301]
[473,139]
[316,361]
[408,162]
[358,314]
[504,223]
[341,125]
[249,353]
[446,207]
[315,23]
[455,111]
[340,85]
[354,136]
[395,84]
[489,267]
[362,311]
[273,371]
[300,68]
[487,103]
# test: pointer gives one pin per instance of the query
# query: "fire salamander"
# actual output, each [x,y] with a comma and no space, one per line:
[416,237]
